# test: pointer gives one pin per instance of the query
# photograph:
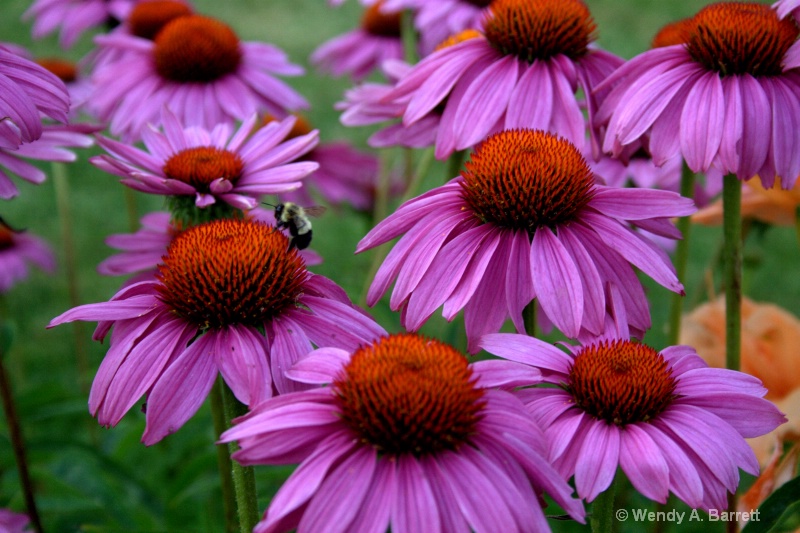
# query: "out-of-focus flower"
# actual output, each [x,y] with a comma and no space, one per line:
[230,297]
[197,67]
[52,145]
[11,522]
[27,91]
[772,206]
[525,220]
[78,84]
[345,175]
[522,71]
[199,167]
[725,97]
[406,436]
[436,20]
[770,352]
[672,423]
[359,52]
[366,104]
[18,250]
[73,17]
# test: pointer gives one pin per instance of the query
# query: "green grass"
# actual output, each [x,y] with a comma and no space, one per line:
[102,480]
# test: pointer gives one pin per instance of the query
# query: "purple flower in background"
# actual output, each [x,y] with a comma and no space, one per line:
[359,52]
[366,104]
[73,17]
[197,67]
[525,220]
[207,166]
[11,522]
[231,298]
[726,97]
[18,250]
[522,71]
[407,437]
[672,423]
[27,91]
[50,146]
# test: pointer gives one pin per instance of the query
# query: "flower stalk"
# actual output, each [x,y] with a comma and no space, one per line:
[684,225]
[17,442]
[224,459]
[602,518]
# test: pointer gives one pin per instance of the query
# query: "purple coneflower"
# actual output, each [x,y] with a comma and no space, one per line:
[11,522]
[18,249]
[359,52]
[407,436]
[196,66]
[142,251]
[437,20]
[522,71]
[366,104]
[73,17]
[784,7]
[231,298]
[50,146]
[668,420]
[525,220]
[198,167]
[28,91]
[724,97]
[345,175]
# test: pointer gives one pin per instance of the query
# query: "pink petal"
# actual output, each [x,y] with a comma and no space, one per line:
[557,282]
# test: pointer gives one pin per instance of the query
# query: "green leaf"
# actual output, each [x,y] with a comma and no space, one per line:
[783,503]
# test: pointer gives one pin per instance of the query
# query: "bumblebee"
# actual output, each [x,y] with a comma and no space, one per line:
[295,218]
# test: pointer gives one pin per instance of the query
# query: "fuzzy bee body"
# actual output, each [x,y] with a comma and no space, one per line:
[295,218]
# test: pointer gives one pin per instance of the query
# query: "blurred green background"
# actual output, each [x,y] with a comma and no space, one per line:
[100,480]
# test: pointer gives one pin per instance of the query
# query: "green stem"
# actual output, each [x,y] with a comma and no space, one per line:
[681,258]
[18,444]
[732,278]
[529,318]
[602,518]
[423,166]
[244,480]
[732,271]
[409,37]
[454,164]
[61,185]
[224,459]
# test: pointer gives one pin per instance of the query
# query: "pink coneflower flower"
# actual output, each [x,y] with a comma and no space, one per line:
[668,420]
[28,91]
[359,52]
[525,220]
[11,522]
[436,20]
[78,84]
[18,249]
[73,17]
[51,146]
[230,298]
[142,251]
[726,97]
[407,437]
[785,7]
[522,71]
[198,167]
[366,104]
[197,67]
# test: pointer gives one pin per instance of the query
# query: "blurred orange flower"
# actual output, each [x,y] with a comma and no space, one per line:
[774,206]
[770,352]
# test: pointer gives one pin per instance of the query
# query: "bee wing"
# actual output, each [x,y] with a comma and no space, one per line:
[315,210]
